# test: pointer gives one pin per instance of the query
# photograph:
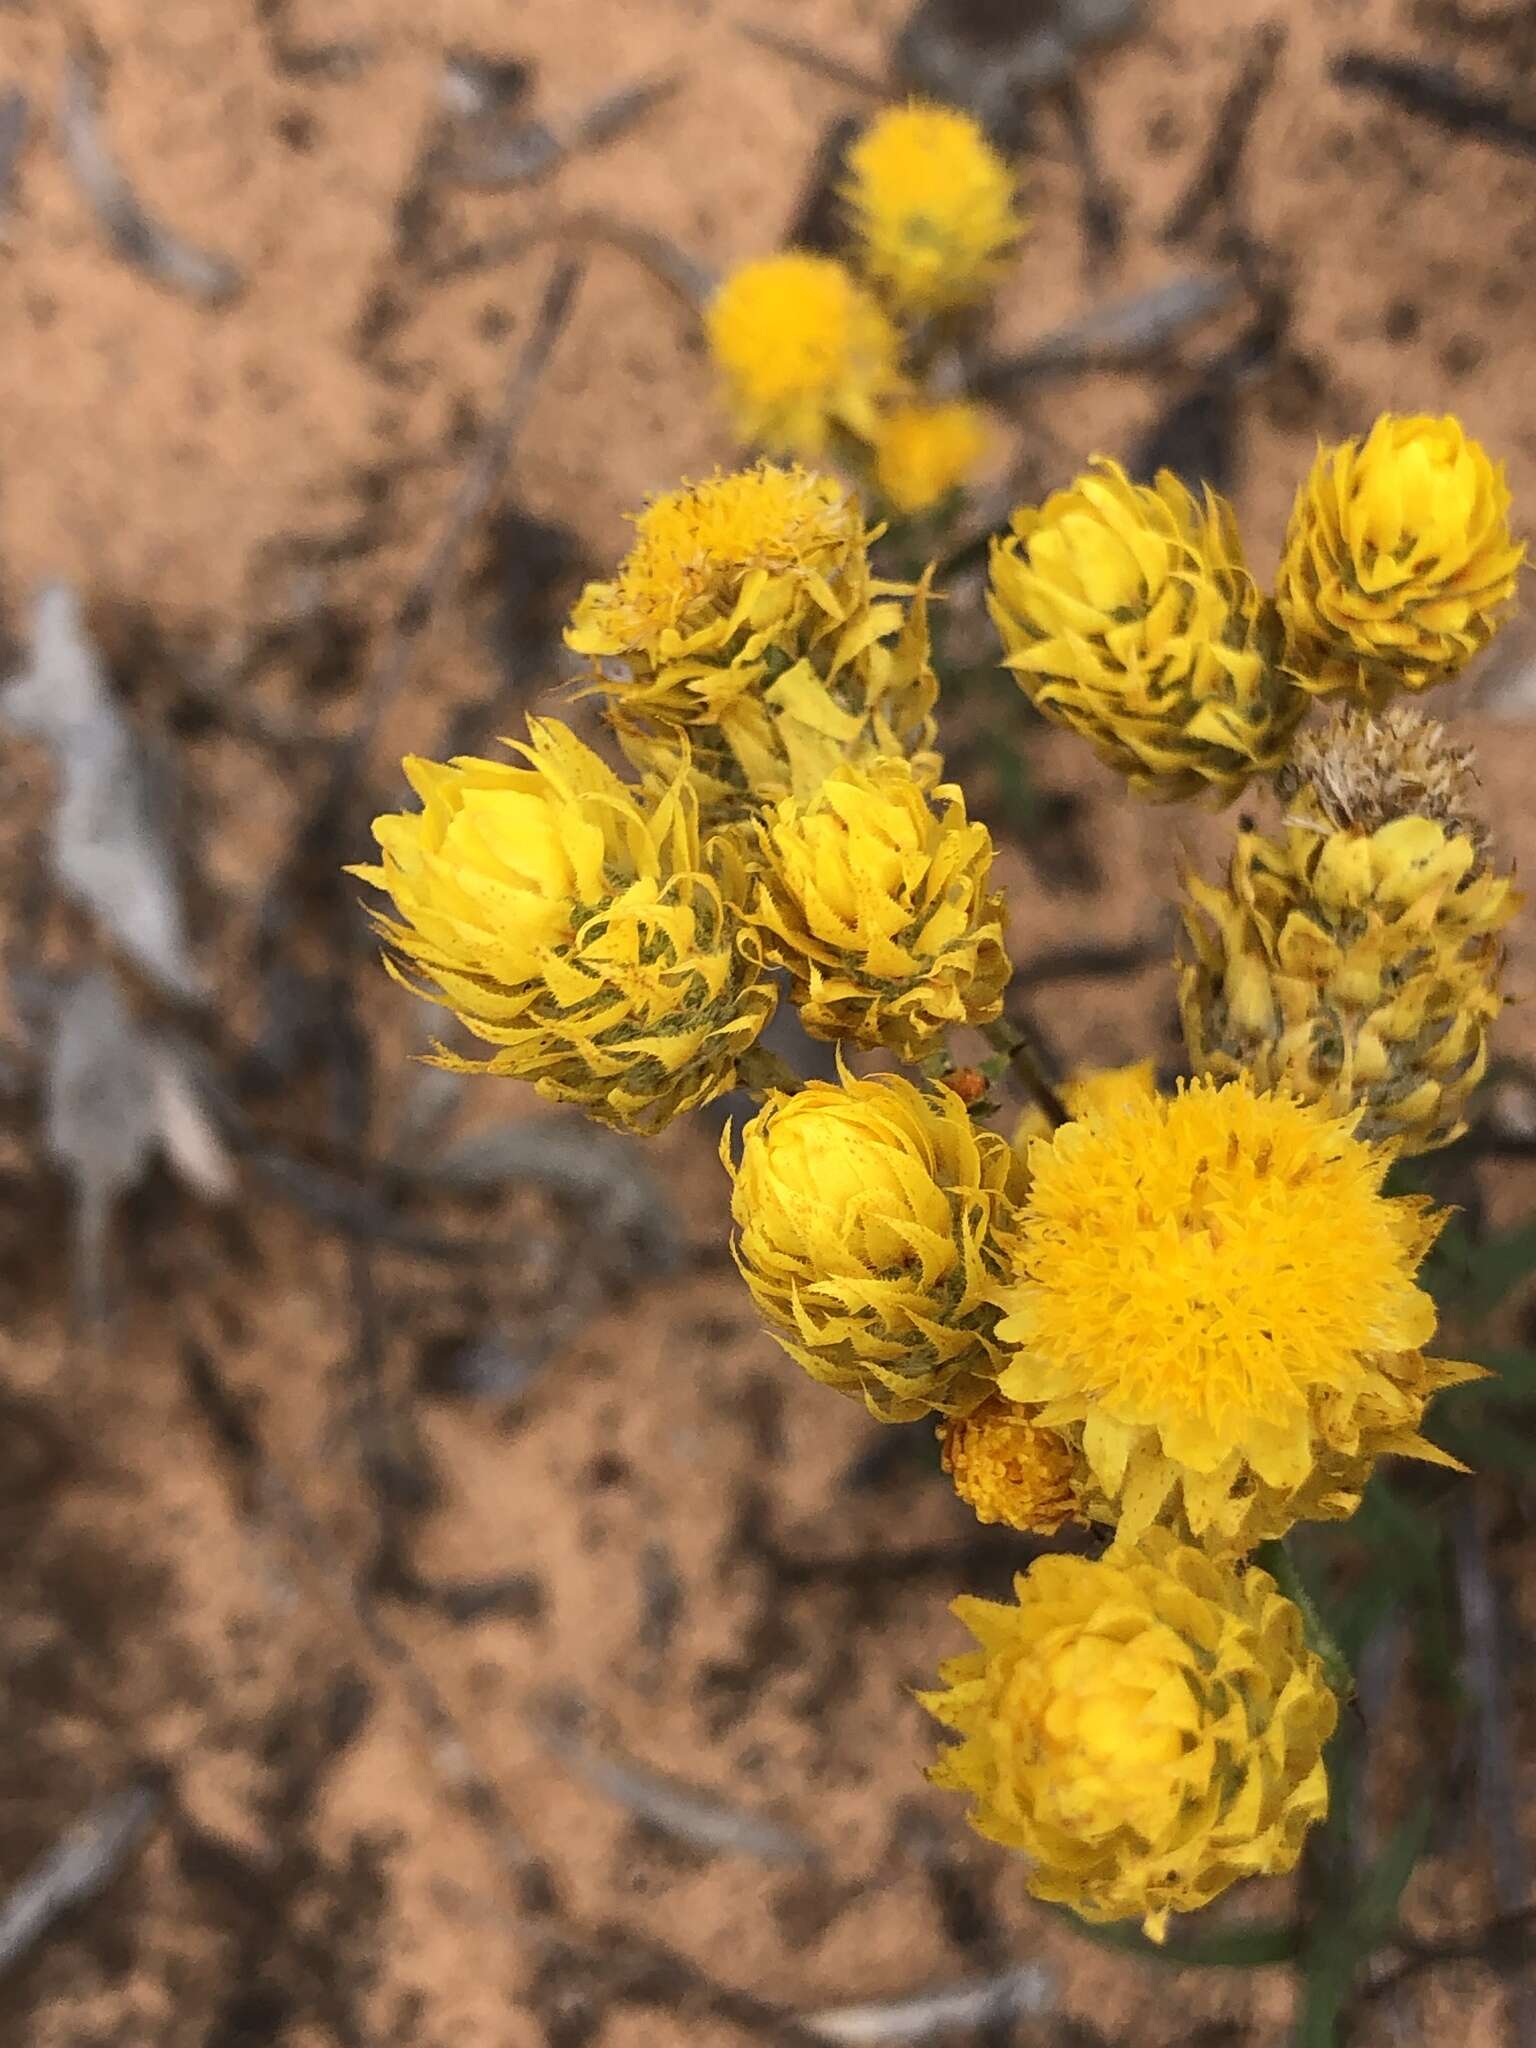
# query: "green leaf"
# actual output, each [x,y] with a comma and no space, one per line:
[1341,1942]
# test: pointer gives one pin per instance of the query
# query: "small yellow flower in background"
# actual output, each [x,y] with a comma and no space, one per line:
[1127,613]
[1355,959]
[756,644]
[1398,561]
[1096,1090]
[866,1220]
[1210,1295]
[873,895]
[1147,1729]
[576,926]
[1008,1469]
[933,206]
[804,349]
[925,452]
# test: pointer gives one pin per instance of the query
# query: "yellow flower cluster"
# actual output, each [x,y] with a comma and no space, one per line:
[1212,1299]
[1355,959]
[867,1228]
[575,926]
[873,896]
[818,358]
[805,351]
[756,644]
[1146,1729]
[1191,1315]
[1008,1469]
[1398,561]
[1128,614]
[933,208]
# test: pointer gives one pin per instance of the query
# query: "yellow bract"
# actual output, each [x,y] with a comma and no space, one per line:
[866,1217]
[1211,1295]
[933,207]
[1355,959]
[574,925]
[1009,1469]
[804,350]
[924,452]
[759,651]
[874,897]
[1398,561]
[1147,1729]
[1128,614]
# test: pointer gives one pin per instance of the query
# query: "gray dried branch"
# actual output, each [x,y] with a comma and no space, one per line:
[489,151]
[108,848]
[810,58]
[687,1812]
[623,1204]
[15,118]
[1024,1992]
[77,1869]
[1123,332]
[132,231]
[477,487]
[1216,176]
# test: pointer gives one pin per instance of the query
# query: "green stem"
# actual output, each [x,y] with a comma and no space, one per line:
[1277,1560]
[1024,1059]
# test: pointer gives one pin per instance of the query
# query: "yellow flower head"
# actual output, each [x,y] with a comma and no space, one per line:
[1147,1729]
[1128,614]
[1398,562]
[866,1216]
[1213,1298]
[573,925]
[1355,959]
[804,350]
[1009,1469]
[874,897]
[924,452]
[746,619]
[933,207]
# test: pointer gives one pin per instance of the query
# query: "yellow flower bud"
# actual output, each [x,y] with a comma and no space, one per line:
[1009,1469]
[1147,1729]
[804,350]
[924,452]
[755,644]
[577,927]
[1128,614]
[874,897]
[1398,561]
[1210,1297]
[866,1216]
[933,208]
[1355,959]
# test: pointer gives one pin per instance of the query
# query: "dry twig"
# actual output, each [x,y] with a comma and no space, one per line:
[77,1869]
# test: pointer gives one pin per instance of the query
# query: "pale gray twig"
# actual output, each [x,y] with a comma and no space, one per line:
[496,153]
[77,1869]
[687,1812]
[133,232]
[929,2015]
[1109,337]
[15,115]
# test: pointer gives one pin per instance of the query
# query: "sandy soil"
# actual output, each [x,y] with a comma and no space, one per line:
[379,1643]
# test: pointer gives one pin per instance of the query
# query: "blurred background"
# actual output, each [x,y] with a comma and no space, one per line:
[435,1613]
